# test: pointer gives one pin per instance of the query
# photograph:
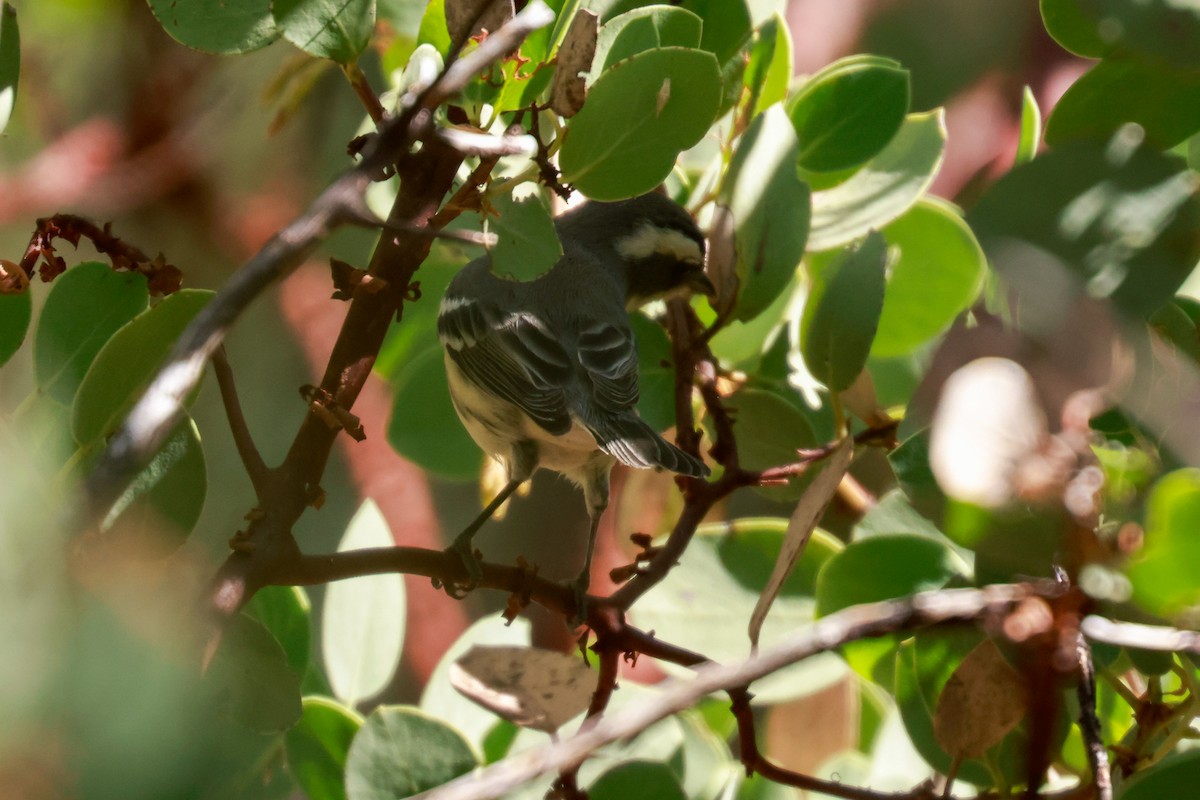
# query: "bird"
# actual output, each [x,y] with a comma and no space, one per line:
[544,374]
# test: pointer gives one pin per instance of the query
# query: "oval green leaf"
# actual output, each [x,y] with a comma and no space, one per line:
[15,312]
[884,188]
[1073,28]
[842,314]
[769,69]
[362,622]
[1162,31]
[638,117]
[318,745]
[527,244]
[287,613]
[720,578]
[771,211]
[218,26]
[424,427]
[726,26]
[769,431]
[339,30]
[128,361]
[642,29]
[936,274]
[1163,581]
[1176,776]
[88,304]
[1165,102]
[1031,128]
[10,64]
[849,111]
[400,751]
[250,674]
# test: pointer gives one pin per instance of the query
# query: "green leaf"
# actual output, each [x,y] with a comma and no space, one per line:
[86,306]
[1073,28]
[399,752]
[771,214]
[1031,128]
[424,427]
[362,622]
[1165,102]
[433,30]
[637,780]
[770,67]
[218,26]
[719,579]
[167,496]
[1163,581]
[894,514]
[643,29]
[527,244]
[883,567]
[769,431]
[318,745]
[10,64]
[1113,223]
[287,613]
[1159,30]
[936,275]
[1175,776]
[128,361]
[250,673]
[15,312]
[842,314]
[849,111]
[339,30]
[638,117]
[726,26]
[887,186]
[744,344]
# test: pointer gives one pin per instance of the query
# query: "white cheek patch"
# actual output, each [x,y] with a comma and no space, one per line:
[649,240]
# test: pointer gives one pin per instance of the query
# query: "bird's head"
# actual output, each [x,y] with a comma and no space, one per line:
[652,240]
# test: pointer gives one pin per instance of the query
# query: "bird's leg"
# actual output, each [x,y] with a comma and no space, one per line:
[595,493]
[463,547]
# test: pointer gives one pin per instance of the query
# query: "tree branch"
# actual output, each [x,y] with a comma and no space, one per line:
[1089,724]
[858,622]
[1144,637]
[252,460]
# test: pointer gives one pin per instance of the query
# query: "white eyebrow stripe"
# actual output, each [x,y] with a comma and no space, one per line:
[650,239]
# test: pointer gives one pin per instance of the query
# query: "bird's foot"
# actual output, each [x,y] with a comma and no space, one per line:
[471,562]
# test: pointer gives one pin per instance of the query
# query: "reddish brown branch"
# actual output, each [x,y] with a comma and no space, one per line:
[252,460]
[366,95]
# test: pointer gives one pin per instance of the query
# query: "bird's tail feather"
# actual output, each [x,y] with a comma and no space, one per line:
[631,441]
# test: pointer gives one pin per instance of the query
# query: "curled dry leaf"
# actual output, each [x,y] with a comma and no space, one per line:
[722,260]
[538,689]
[800,527]
[574,62]
[987,423]
[983,700]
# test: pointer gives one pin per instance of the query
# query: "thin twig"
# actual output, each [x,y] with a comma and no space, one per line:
[1089,724]
[858,622]
[252,460]
[366,95]
[1144,637]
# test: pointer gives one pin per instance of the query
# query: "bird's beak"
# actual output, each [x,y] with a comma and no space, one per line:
[699,283]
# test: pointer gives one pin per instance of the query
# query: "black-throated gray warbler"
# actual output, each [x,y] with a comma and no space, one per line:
[545,373]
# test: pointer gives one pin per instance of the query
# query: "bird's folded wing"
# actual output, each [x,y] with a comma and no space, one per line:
[609,357]
[511,355]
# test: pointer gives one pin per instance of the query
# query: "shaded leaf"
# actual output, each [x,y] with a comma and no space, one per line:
[10,64]
[983,700]
[86,306]
[642,29]
[317,747]
[249,673]
[15,312]
[287,613]
[400,751]
[637,780]
[424,427]
[218,26]
[842,314]
[527,244]
[770,207]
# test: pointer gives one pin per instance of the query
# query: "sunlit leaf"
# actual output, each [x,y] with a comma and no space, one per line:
[644,29]
[1031,128]
[318,745]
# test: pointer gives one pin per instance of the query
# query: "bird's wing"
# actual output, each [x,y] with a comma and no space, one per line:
[609,358]
[511,354]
